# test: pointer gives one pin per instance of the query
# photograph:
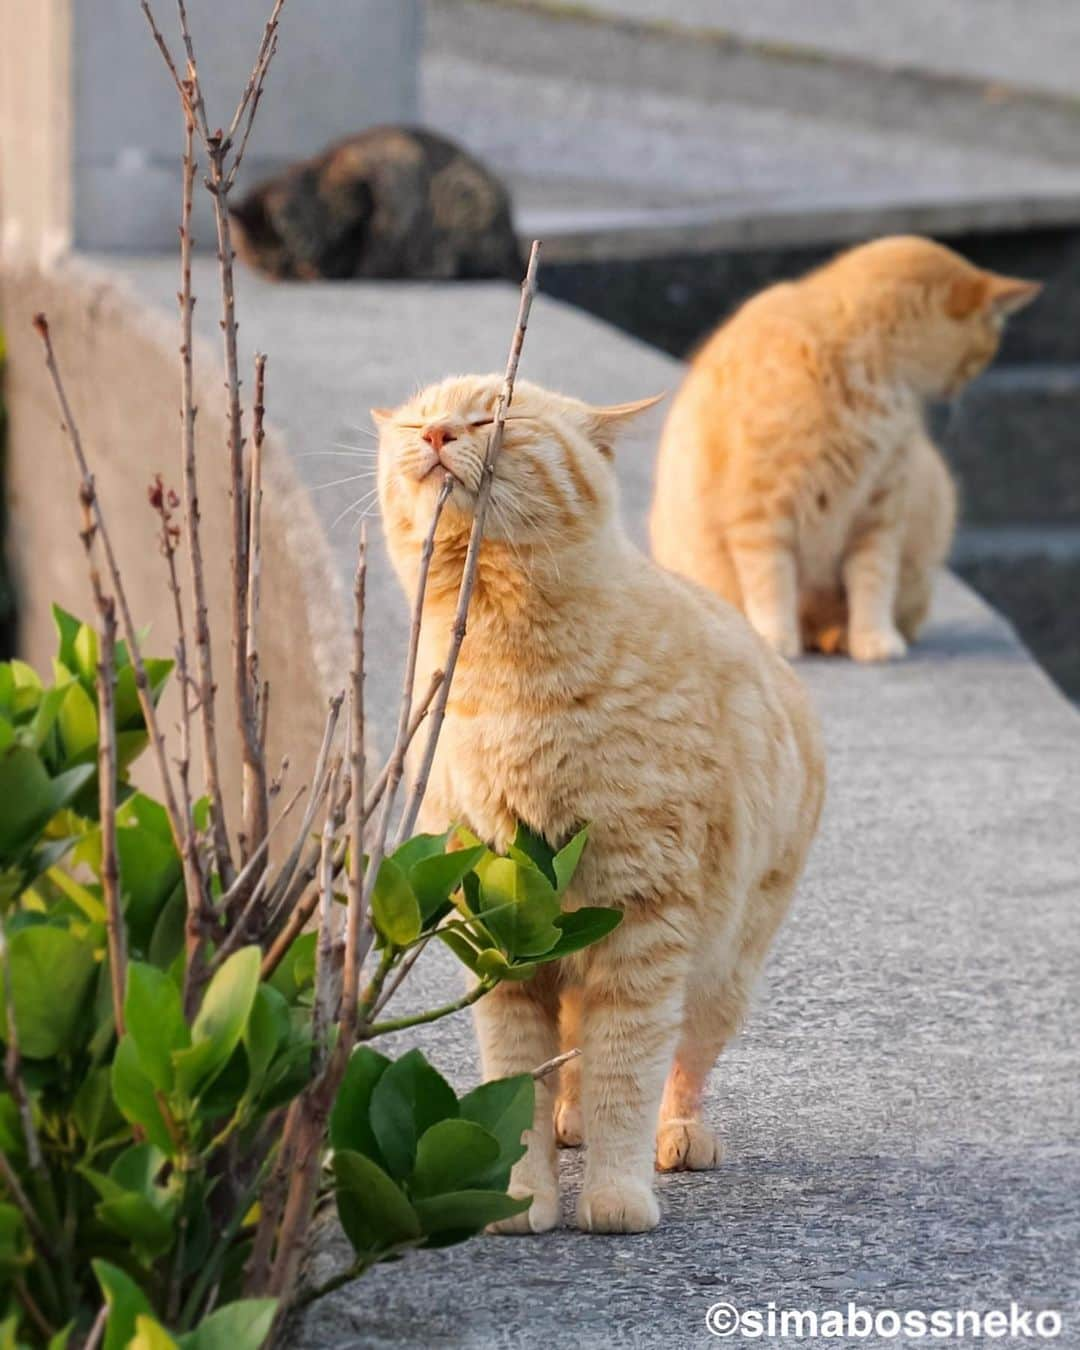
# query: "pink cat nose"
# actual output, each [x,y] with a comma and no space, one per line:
[437,436]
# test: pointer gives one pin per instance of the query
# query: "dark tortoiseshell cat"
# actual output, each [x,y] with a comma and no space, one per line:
[391,202]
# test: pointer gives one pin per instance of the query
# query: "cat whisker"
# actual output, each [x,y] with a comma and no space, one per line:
[361,502]
[353,478]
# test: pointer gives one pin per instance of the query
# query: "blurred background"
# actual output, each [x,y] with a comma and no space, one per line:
[675,158]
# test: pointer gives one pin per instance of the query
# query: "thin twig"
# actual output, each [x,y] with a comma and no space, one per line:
[207,688]
[325,963]
[472,556]
[256,806]
[356,920]
[116,933]
[97,1331]
[249,101]
[552,1065]
[396,763]
[421,710]
[142,683]
[22,1202]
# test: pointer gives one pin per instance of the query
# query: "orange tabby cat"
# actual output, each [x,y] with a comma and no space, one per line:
[595,688]
[795,475]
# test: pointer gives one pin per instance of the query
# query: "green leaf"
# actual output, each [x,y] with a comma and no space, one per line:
[26,688]
[419,847]
[504,1107]
[77,720]
[350,1125]
[155,1022]
[394,906]
[62,1338]
[150,868]
[47,710]
[526,906]
[133,1217]
[374,1213]
[52,975]
[67,628]
[93,1111]
[297,968]
[466,1212]
[15,1249]
[581,928]
[31,798]
[435,879]
[465,952]
[220,1022]
[266,1031]
[566,860]
[531,849]
[134,1094]
[452,1155]
[126,1302]
[150,1335]
[85,650]
[243,1325]
[408,1099]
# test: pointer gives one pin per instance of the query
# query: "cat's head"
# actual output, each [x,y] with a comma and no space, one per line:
[948,315]
[553,483]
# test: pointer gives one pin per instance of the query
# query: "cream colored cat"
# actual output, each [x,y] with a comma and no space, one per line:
[595,688]
[795,476]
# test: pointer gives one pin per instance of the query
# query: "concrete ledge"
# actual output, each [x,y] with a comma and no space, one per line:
[902,1114]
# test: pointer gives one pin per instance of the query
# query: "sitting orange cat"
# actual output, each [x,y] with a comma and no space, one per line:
[795,475]
[595,688]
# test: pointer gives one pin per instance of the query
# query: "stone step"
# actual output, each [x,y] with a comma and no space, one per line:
[1012,439]
[635,139]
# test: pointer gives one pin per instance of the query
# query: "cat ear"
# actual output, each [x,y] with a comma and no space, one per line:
[1007,295]
[605,424]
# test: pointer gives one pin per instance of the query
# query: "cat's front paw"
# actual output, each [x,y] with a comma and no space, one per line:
[873,644]
[541,1216]
[569,1126]
[686,1146]
[618,1207]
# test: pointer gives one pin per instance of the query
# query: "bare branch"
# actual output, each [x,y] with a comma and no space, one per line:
[207,689]
[472,556]
[13,1067]
[256,813]
[249,101]
[325,963]
[89,494]
[356,917]
[552,1065]
[421,710]
[110,867]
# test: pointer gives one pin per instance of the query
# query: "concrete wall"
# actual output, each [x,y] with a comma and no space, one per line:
[92,131]
[121,368]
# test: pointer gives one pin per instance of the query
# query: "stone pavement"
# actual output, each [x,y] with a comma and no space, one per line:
[902,1115]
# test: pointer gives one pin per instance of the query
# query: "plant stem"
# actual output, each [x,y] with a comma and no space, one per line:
[432,1015]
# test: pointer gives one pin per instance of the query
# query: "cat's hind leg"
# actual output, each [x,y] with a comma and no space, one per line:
[684,1143]
[569,1130]
[516,1024]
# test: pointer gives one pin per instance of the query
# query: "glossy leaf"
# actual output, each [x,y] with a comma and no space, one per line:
[52,975]
[126,1303]
[518,906]
[580,928]
[408,1099]
[467,1212]
[566,861]
[435,879]
[374,1212]
[134,1094]
[504,1107]
[220,1021]
[394,906]
[350,1125]
[243,1325]
[452,1155]
[155,1022]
